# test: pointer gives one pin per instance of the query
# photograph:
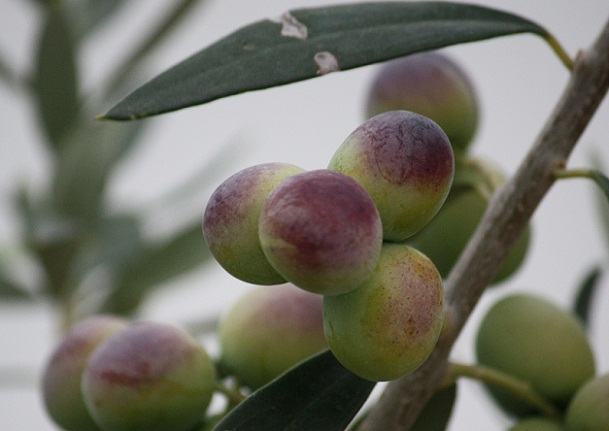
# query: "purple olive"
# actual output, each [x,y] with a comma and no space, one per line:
[148,377]
[321,231]
[230,221]
[61,378]
[432,85]
[405,162]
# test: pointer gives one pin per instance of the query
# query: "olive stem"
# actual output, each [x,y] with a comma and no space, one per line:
[507,215]
[560,51]
[601,180]
[515,386]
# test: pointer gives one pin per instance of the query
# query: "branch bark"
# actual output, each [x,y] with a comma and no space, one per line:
[507,216]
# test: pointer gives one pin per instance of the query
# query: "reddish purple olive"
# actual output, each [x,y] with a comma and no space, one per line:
[230,221]
[405,162]
[321,231]
[148,377]
[430,84]
[61,380]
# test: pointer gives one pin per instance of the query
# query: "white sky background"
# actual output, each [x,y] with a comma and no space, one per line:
[518,78]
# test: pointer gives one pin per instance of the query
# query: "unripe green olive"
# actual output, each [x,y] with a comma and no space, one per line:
[405,162]
[537,424]
[230,221]
[387,327]
[61,378]
[536,341]
[444,238]
[268,330]
[589,407]
[321,231]
[148,377]
[431,84]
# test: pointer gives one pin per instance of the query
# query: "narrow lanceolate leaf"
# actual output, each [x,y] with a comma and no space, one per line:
[157,263]
[55,83]
[306,43]
[318,395]
[585,295]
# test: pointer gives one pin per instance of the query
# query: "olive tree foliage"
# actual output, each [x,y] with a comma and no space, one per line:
[70,234]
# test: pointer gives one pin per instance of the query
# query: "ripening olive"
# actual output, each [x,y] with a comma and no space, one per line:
[148,377]
[405,162]
[268,330]
[430,84]
[61,378]
[387,327]
[230,221]
[321,231]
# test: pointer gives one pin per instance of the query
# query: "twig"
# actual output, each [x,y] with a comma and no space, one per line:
[507,215]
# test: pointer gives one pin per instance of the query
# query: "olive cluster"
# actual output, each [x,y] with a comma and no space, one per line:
[433,85]
[339,232]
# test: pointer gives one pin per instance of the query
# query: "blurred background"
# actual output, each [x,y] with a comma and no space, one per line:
[152,179]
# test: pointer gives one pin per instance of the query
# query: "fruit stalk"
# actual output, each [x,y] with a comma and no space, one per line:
[506,216]
[515,386]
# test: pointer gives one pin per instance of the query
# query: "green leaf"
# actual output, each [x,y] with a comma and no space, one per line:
[602,181]
[114,243]
[304,43]
[317,395]
[585,295]
[84,164]
[157,264]
[168,23]
[56,79]
[12,291]
[438,410]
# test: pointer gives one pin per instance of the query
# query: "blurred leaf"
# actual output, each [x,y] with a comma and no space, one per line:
[84,164]
[52,239]
[436,414]
[100,12]
[596,160]
[171,20]
[12,291]
[602,181]
[157,264]
[55,84]
[585,295]
[319,394]
[305,43]
[114,243]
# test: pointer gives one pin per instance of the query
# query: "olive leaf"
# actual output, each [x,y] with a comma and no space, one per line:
[585,294]
[319,394]
[156,263]
[438,410]
[306,43]
[55,83]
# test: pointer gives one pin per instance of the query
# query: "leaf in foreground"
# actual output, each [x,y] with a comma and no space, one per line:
[319,394]
[306,43]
